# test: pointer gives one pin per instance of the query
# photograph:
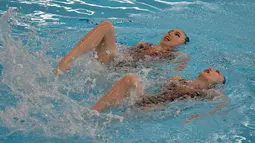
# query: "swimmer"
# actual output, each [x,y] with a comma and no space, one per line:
[175,88]
[101,40]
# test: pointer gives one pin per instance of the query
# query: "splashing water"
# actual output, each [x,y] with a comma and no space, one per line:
[40,105]
[33,101]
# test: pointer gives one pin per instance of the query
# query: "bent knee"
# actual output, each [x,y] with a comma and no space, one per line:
[131,79]
[108,23]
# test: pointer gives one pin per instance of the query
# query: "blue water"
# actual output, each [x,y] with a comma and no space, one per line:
[37,107]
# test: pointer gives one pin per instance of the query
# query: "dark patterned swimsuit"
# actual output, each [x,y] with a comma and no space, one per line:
[131,56]
[168,93]
[145,54]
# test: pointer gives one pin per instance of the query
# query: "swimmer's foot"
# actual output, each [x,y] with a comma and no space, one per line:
[57,72]
[65,64]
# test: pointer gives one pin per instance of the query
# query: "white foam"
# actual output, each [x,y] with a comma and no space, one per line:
[123,1]
[181,2]
[43,103]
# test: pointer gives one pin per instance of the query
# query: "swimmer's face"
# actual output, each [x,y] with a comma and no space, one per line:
[211,76]
[173,38]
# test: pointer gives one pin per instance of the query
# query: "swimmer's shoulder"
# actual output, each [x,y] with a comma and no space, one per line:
[176,78]
[178,53]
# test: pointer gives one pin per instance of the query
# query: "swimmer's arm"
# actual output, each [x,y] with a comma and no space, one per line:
[225,102]
[212,112]
[151,108]
[154,107]
[216,94]
[182,60]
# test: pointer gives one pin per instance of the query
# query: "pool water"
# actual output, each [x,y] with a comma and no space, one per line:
[35,106]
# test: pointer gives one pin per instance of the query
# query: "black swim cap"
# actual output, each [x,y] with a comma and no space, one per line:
[186,39]
[224,81]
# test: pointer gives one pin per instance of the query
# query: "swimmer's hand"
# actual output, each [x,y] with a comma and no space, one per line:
[65,64]
[182,62]
[57,72]
[180,67]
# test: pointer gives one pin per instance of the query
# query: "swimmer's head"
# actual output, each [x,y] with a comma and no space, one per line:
[212,76]
[174,38]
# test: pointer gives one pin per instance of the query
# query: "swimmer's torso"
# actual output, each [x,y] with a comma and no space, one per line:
[170,92]
[131,56]
[150,53]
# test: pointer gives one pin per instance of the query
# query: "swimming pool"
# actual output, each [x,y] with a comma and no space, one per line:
[36,107]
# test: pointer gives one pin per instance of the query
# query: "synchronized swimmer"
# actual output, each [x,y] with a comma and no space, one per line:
[175,88]
[101,40]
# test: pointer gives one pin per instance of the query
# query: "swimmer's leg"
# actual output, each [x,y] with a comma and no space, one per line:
[101,38]
[119,91]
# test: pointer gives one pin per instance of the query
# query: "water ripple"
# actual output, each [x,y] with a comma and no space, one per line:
[53,3]
[148,5]
[123,1]
[180,3]
[65,112]
[123,8]
[48,12]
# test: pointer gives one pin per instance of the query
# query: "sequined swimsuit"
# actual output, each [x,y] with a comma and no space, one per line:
[149,53]
[168,93]
[131,56]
